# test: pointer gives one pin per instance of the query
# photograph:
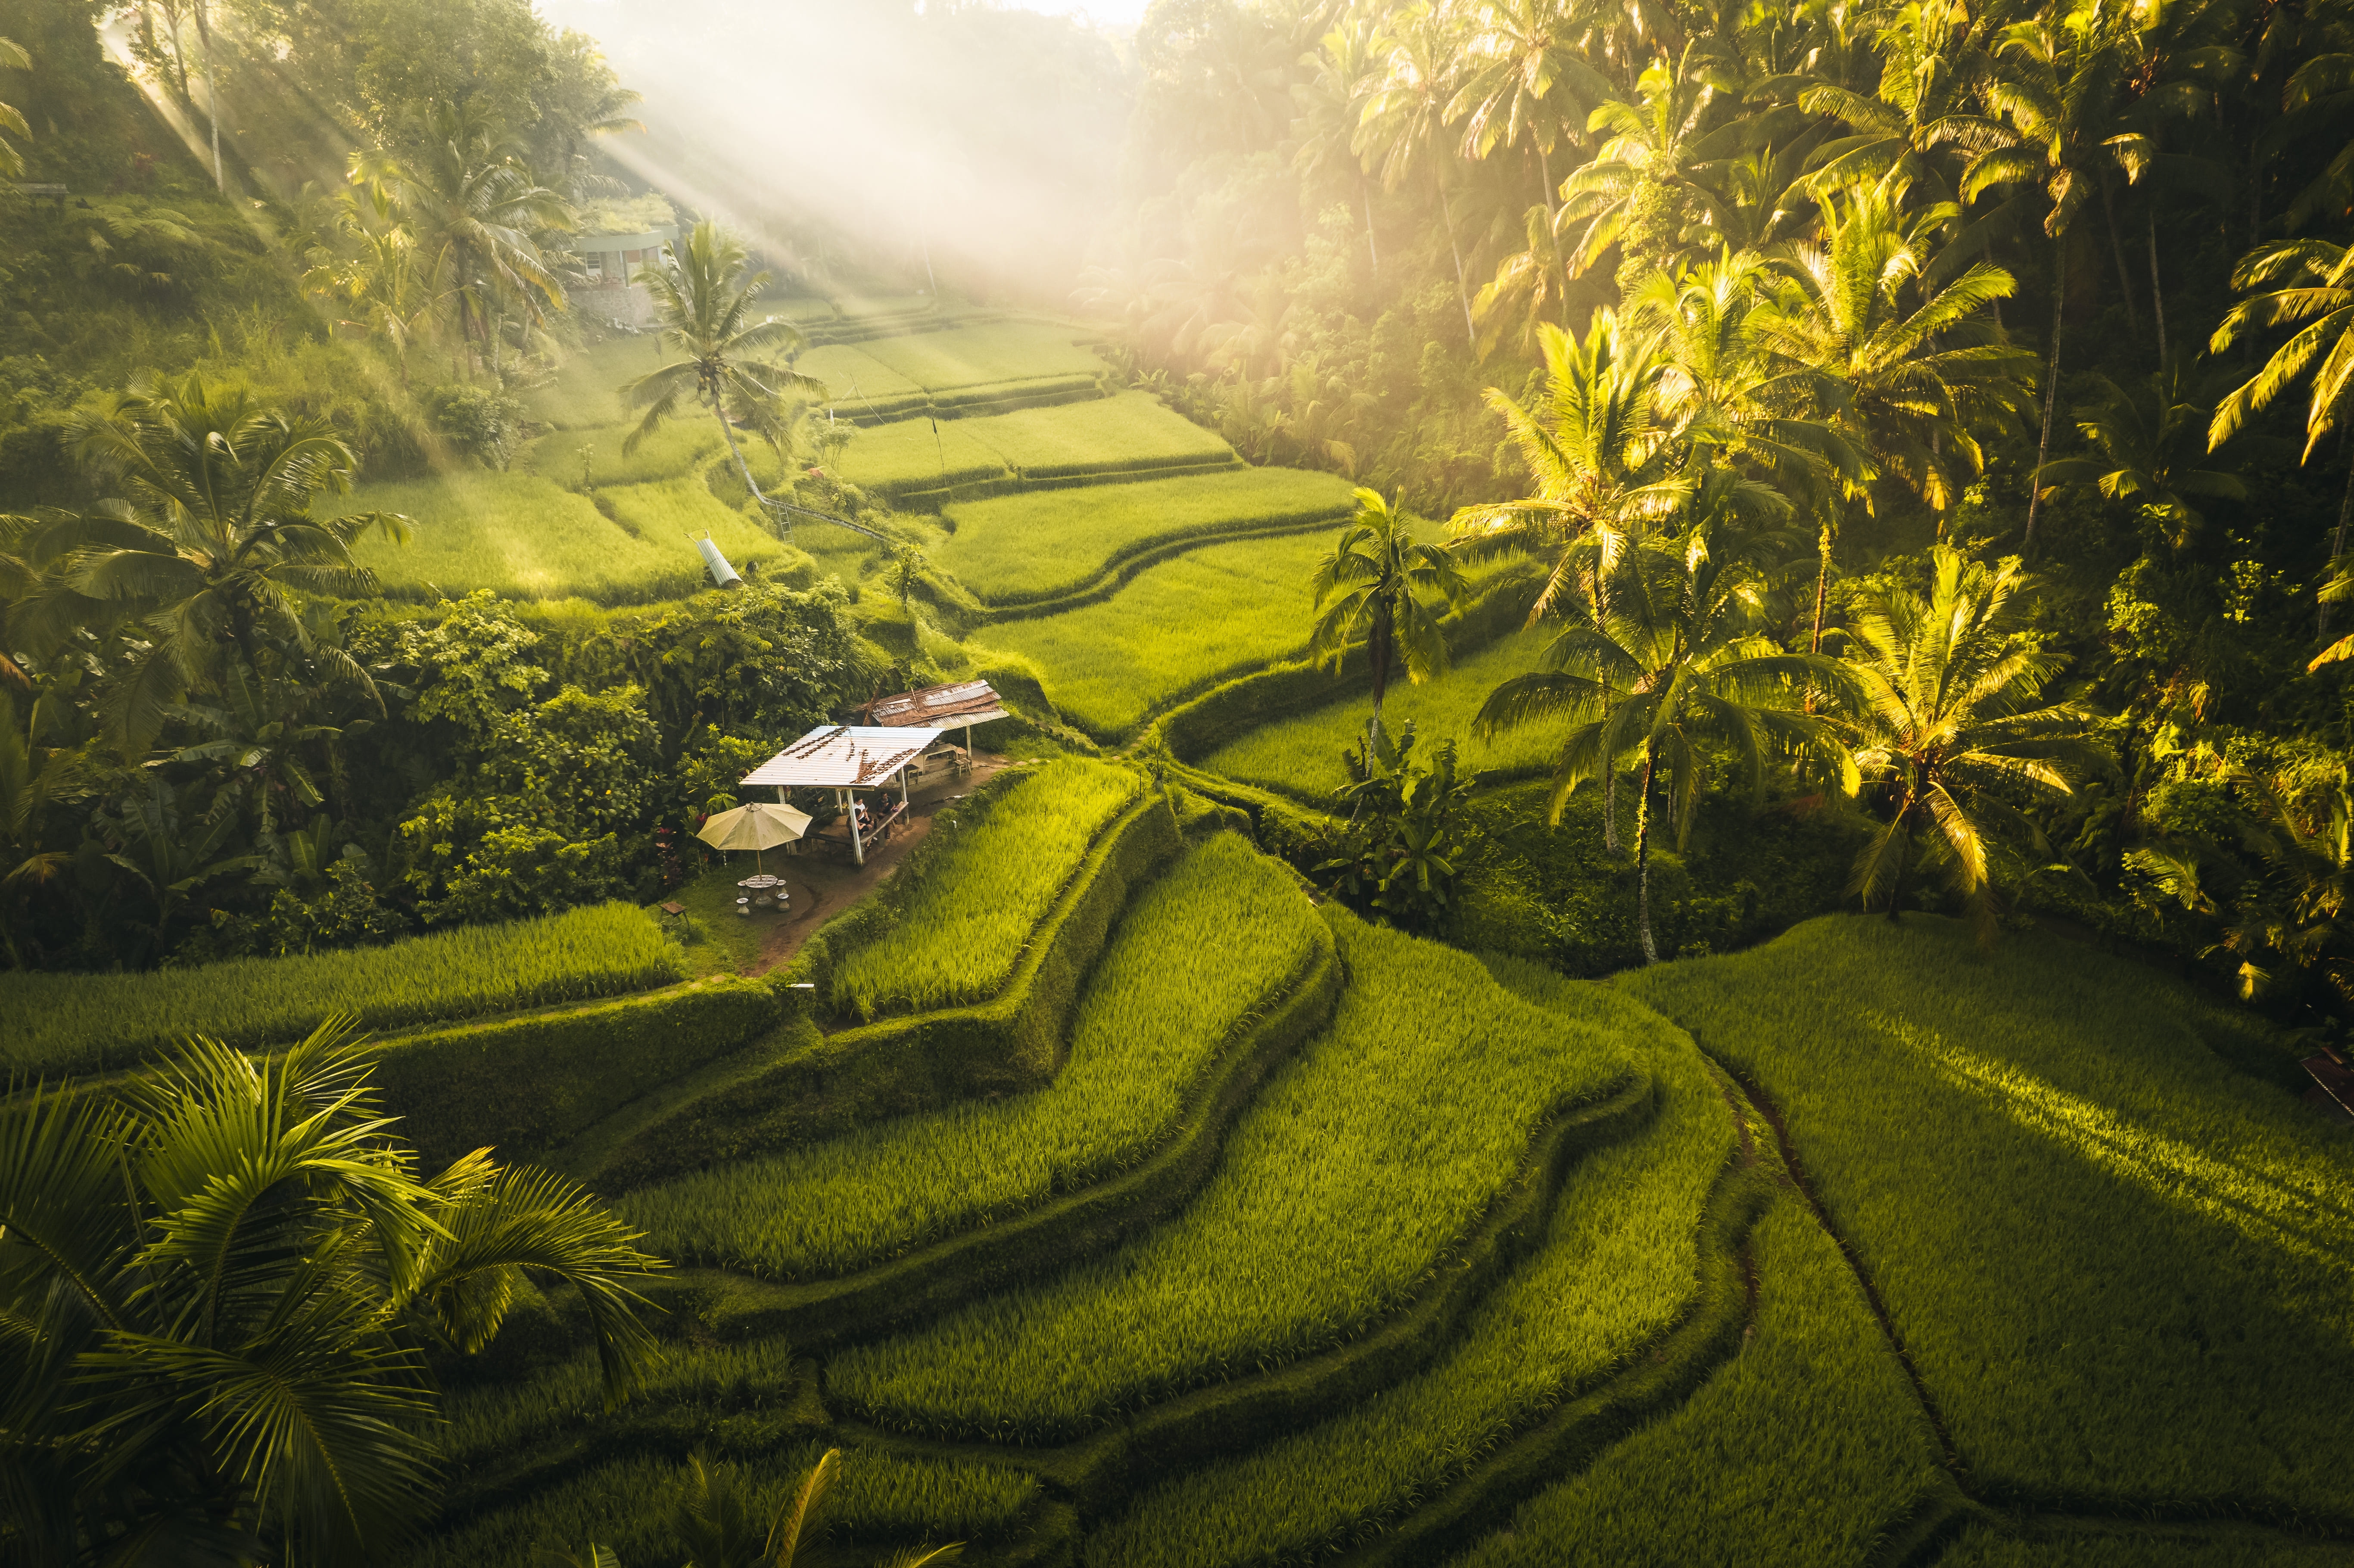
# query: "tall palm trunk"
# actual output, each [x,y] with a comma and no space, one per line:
[2338,540]
[212,94]
[720,413]
[2156,288]
[1462,291]
[2118,251]
[1902,830]
[1378,641]
[1643,854]
[1366,192]
[2051,391]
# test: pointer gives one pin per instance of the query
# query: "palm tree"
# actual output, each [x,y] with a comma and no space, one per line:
[1330,102]
[477,212]
[704,302]
[1673,669]
[12,161]
[209,543]
[1373,586]
[1945,717]
[2311,287]
[1525,83]
[383,282]
[1406,121]
[2141,435]
[2064,71]
[1900,365]
[1650,184]
[1606,473]
[221,1283]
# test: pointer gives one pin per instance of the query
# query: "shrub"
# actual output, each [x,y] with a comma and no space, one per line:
[480,421]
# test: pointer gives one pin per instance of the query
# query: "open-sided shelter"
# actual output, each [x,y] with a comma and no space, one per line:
[960,703]
[843,759]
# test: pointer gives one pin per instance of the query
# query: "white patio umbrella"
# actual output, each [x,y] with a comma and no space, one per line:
[755,827]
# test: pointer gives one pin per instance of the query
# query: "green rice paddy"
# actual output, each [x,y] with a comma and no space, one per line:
[2122,1267]
[1302,754]
[1362,1165]
[1803,1448]
[1022,549]
[520,535]
[1164,1001]
[990,353]
[1616,1267]
[1180,626]
[959,930]
[52,1023]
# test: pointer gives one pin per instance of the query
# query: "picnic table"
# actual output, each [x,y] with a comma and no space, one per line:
[762,891]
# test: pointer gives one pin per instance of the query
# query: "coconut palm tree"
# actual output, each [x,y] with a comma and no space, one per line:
[1525,83]
[1606,471]
[1406,122]
[2060,80]
[1651,185]
[384,285]
[206,545]
[2309,285]
[475,212]
[1673,669]
[1946,717]
[1376,587]
[704,302]
[1903,367]
[1329,102]
[12,161]
[2141,435]
[221,1283]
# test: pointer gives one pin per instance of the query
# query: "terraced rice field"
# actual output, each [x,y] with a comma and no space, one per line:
[2086,1194]
[522,535]
[1025,549]
[1302,755]
[957,928]
[1162,1003]
[1179,626]
[1402,1305]
[1358,1169]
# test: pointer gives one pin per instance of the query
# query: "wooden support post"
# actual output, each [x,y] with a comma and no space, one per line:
[858,840]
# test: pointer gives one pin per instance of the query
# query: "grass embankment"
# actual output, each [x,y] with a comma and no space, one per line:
[84,1023]
[2059,1545]
[1169,994]
[1360,1166]
[2121,1267]
[1179,626]
[1302,755]
[958,929]
[1616,1267]
[1803,1450]
[1026,549]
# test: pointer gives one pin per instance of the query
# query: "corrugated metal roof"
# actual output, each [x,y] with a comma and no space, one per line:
[838,756]
[943,708]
